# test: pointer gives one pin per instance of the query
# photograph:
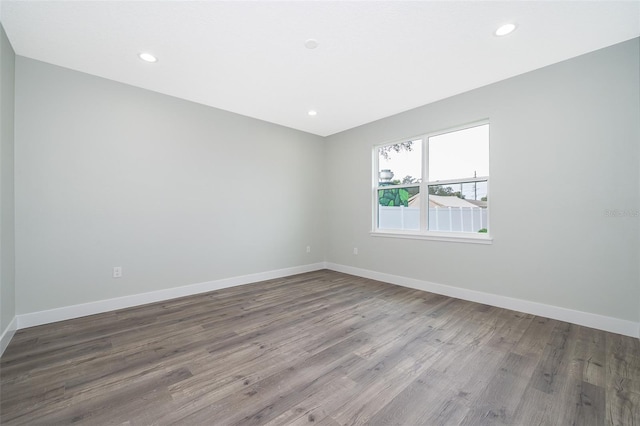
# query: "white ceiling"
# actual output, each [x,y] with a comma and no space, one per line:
[374,59]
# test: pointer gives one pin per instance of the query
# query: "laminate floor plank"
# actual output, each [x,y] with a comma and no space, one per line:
[622,365]
[382,382]
[537,408]
[500,398]
[589,357]
[553,368]
[215,376]
[319,405]
[320,348]
[256,401]
[534,340]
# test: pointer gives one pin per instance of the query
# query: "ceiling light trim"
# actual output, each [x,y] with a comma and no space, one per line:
[505,29]
[147,57]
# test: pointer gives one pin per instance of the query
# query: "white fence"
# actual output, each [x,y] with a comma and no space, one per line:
[451,219]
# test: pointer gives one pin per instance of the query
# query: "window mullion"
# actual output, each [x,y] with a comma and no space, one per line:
[374,196]
[461,180]
[424,187]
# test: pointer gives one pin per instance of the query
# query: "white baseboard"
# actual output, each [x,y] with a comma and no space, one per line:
[615,325]
[91,308]
[7,334]
[600,322]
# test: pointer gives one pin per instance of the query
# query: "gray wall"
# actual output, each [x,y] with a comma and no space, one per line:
[178,193]
[7,271]
[564,150]
[174,192]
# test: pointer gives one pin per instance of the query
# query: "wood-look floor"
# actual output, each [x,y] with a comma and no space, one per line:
[319,348]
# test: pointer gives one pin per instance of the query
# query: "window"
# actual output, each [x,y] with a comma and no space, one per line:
[435,186]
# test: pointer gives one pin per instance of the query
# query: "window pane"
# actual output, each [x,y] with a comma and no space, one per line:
[459,154]
[400,163]
[474,190]
[451,210]
[399,208]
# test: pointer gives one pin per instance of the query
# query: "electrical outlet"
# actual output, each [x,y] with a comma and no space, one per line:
[117,271]
[308,249]
[355,250]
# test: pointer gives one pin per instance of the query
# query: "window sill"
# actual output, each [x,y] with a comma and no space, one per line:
[454,237]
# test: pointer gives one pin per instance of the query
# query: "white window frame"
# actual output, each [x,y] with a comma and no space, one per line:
[423,233]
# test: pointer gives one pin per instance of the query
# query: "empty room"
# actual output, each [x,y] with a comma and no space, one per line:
[319,212]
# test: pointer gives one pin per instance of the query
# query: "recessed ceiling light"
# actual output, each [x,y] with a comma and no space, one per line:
[311,43]
[148,57]
[505,29]
[312,112]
